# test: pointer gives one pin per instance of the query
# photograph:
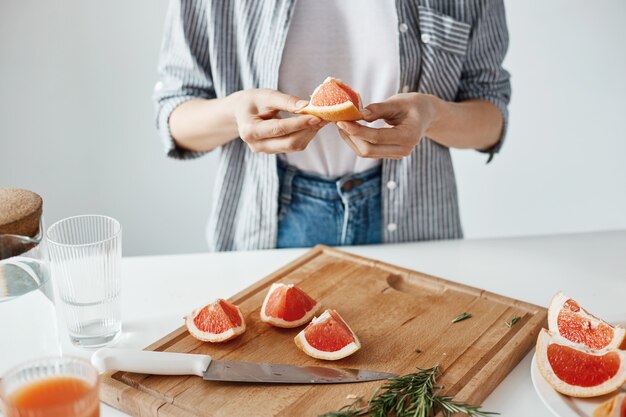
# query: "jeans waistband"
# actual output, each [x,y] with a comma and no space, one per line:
[351,186]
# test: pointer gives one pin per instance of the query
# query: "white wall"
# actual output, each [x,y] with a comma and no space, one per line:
[76,123]
[563,167]
[77,126]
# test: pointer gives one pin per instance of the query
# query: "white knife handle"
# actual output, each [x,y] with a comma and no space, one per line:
[148,362]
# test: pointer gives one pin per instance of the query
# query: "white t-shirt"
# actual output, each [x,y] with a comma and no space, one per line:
[353,40]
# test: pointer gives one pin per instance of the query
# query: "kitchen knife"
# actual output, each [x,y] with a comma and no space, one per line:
[168,363]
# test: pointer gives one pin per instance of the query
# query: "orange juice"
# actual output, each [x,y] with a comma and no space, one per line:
[59,396]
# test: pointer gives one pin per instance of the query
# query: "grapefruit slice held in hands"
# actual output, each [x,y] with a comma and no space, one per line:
[334,101]
[569,320]
[216,322]
[328,337]
[288,306]
[579,372]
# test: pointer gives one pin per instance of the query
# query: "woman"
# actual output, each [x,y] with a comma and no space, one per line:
[232,73]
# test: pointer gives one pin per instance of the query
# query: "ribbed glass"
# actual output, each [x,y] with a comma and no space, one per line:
[85,254]
[43,370]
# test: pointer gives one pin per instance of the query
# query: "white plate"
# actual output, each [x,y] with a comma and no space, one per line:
[562,405]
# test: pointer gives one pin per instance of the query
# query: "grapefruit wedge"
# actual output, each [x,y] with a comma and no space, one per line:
[568,319]
[577,371]
[334,101]
[613,407]
[216,322]
[328,337]
[287,306]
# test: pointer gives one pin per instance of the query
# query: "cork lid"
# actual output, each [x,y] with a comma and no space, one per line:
[20,211]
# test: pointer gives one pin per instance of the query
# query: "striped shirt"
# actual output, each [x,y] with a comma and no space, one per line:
[211,48]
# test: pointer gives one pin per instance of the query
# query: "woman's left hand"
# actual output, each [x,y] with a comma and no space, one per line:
[409,117]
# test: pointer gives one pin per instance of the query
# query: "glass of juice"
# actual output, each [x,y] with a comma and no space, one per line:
[51,387]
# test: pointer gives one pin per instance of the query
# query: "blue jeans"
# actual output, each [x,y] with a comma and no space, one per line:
[343,211]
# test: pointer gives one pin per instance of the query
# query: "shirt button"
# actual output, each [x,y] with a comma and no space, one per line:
[392,227]
[403,27]
[425,37]
[392,185]
[405,89]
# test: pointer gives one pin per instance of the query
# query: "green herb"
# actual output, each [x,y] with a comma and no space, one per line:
[461,317]
[412,395]
[514,320]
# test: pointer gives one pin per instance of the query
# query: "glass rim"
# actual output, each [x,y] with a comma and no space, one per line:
[47,360]
[78,245]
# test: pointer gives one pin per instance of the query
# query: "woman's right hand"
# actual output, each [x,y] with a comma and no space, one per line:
[260,126]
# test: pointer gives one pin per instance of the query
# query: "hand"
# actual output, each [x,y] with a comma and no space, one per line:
[260,126]
[408,117]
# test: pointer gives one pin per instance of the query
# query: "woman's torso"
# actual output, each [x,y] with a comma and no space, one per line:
[419,196]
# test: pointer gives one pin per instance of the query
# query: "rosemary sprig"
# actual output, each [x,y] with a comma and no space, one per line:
[511,323]
[461,317]
[412,395]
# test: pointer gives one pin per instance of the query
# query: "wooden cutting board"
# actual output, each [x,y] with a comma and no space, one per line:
[402,317]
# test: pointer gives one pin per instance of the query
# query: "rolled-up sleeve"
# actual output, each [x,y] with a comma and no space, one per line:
[483,76]
[184,68]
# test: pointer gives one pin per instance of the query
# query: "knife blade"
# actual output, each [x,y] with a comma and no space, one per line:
[169,363]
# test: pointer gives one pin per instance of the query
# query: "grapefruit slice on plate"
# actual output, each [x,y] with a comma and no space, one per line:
[328,337]
[613,407]
[569,320]
[287,306]
[577,371]
[216,322]
[334,101]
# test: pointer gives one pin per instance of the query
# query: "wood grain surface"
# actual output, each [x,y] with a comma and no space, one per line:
[403,319]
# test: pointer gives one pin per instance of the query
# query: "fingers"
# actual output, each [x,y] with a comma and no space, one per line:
[254,129]
[291,143]
[348,141]
[369,134]
[368,150]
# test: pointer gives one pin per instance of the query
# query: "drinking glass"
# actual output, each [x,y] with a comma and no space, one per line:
[51,387]
[85,253]
[27,314]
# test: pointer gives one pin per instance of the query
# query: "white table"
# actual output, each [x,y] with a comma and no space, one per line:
[159,290]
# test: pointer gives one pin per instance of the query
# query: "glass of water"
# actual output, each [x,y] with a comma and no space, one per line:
[85,254]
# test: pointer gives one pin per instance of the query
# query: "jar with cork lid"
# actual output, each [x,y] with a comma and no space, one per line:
[27,312]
